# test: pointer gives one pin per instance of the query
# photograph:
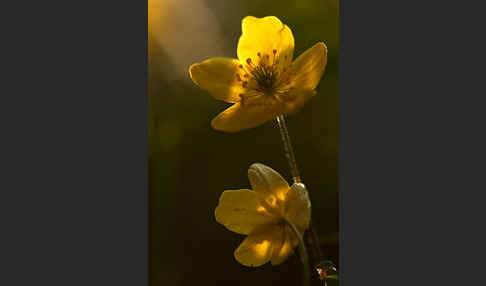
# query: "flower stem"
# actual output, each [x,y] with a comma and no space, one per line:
[303,255]
[289,151]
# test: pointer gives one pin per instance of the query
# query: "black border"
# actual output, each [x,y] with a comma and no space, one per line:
[410,144]
[74,118]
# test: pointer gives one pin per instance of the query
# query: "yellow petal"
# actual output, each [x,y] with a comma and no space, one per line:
[263,35]
[270,185]
[240,211]
[257,248]
[296,99]
[218,76]
[309,67]
[240,117]
[298,207]
[284,247]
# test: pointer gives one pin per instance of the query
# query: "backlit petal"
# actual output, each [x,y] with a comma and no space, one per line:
[309,67]
[263,35]
[240,211]
[218,76]
[271,187]
[240,117]
[257,248]
[284,247]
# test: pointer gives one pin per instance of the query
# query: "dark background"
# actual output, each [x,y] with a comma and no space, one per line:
[190,164]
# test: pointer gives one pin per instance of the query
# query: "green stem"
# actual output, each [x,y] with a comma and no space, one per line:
[289,151]
[302,253]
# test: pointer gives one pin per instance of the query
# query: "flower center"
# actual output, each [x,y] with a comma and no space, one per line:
[265,74]
[266,78]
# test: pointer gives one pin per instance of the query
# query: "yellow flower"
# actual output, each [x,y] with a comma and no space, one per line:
[264,214]
[263,82]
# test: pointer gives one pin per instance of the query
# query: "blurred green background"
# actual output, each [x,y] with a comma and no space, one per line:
[190,164]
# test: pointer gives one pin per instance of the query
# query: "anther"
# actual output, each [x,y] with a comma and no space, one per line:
[274,52]
[238,76]
[248,60]
[240,66]
[245,75]
[258,54]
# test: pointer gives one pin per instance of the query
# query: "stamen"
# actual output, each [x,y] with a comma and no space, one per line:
[238,77]
[266,75]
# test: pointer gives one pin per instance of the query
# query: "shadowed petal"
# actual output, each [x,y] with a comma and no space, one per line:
[298,207]
[296,100]
[240,211]
[240,117]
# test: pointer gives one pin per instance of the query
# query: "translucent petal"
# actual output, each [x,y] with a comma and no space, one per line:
[296,99]
[264,35]
[219,77]
[241,211]
[257,248]
[269,185]
[309,67]
[240,117]
[284,247]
